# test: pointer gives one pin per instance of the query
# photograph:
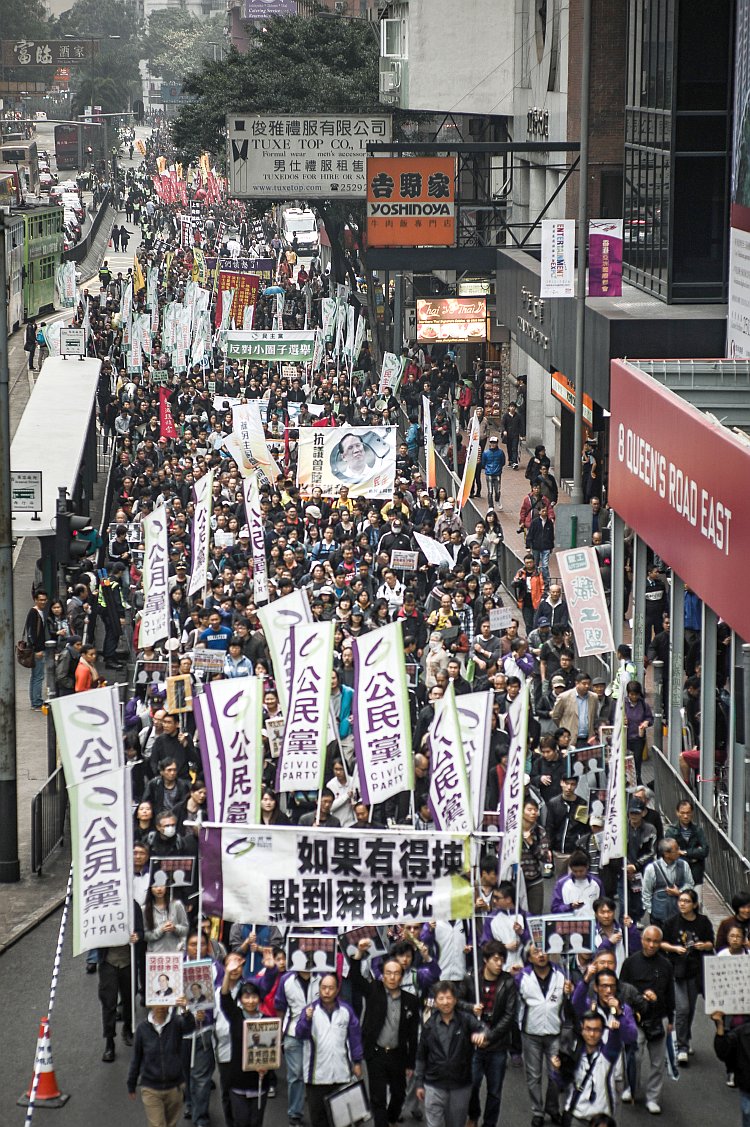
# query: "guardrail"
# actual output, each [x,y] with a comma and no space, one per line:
[81,250]
[48,807]
[726,868]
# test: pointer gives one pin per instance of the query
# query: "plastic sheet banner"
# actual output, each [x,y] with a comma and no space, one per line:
[324,877]
[363,458]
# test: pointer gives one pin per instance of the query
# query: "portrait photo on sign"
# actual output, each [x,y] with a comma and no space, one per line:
[198,985]
[179,693]
[363,458]
[567,935]
[584,760]
[172,872]
[349,940]
[311,953]
[163,978]
[261,1044]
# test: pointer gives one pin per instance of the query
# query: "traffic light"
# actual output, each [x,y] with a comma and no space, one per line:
[70,546]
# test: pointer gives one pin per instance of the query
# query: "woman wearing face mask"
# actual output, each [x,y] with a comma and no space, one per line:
[164,918]
[248,1089]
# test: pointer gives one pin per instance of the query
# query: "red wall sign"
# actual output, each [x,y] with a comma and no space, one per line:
[680,481]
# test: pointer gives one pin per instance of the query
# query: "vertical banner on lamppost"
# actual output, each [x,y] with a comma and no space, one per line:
[470,468]
[582,583]
[615,835]
[382,723]
[429,444]
[475,721]
[257,538]
[512,806]
[605,258]
[155,614]
[230,723]
[303,750]
[557,263]
[277,619]
[449,797]
[201,531]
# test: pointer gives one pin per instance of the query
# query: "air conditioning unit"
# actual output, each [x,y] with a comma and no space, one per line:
[387,85]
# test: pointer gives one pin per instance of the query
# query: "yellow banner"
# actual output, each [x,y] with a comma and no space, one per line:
[139,282]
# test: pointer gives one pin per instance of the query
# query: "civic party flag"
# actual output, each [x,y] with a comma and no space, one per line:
[257,538]
[449,797]
[303,750]
[277,619]
[229,717]
[167,428]
[512,799]
[382,722]
[155,614]
[614,837]
[429,444]
[470,468]
[475,720]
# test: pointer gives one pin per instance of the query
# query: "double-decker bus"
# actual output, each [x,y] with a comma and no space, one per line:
[42,254]
[66,146]
[24,155]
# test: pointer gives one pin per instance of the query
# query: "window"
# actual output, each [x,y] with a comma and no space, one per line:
[393,39]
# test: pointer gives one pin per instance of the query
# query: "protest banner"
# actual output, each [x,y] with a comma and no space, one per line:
[163,978]
[501,618]
[404,561]
[303,750]
[247,428]
[155,615]
[179,693]
[244,289]
[512,797]
[390,374]
[229,718]
[470,467]
[566,934]
[434,552]
[449,785]
[726,984]
[381,716]
[364,458]
[615,834]
[319,878]
[311,952]
[89,733]
[277,345]
[201,532]
[277,619]
[429,444]
[102,857]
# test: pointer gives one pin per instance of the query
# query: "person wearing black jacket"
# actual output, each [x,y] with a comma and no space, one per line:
[497,1011]
[565,831]
[444,1059]
[732,1047]
[174,745]
[35,633]
[652,975]
[390,1032]
[157,1062]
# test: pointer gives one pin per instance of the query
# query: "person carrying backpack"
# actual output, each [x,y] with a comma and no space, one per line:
[66,664]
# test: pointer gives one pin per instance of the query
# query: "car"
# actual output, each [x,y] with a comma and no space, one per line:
[40,115]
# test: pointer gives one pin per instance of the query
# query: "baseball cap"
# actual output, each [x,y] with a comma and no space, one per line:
[558,681]
[543,622]
[596,820]
[635,806]
[485,552]
[493,438]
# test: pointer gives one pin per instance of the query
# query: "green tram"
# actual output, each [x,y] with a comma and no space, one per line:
[42,254]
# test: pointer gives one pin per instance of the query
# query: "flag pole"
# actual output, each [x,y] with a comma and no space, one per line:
[625,936]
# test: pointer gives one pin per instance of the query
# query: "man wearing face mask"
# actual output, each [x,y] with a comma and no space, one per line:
[395,537]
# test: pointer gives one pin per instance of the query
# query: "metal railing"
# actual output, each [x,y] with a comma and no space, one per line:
[48,808]
[726,868]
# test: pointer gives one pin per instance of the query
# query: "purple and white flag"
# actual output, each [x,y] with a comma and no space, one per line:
[382,722]
[155,613]
[277,619]
[201,532]
[512,799]
[257,539]
[229,715]
[303,750]
[449,796]
[475,720]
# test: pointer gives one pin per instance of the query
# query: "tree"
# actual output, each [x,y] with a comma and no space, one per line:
[177,43]
[114,69]
[23,21]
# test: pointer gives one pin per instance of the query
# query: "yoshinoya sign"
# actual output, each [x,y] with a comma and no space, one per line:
[282,156]
[411,201]
[451,319]
[677,479]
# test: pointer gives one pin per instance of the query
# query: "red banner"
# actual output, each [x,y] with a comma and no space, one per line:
[167,428]
[245,286]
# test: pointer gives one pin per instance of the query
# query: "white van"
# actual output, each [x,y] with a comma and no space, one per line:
[302,223]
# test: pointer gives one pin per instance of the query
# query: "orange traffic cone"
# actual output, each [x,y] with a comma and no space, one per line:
[47,1092]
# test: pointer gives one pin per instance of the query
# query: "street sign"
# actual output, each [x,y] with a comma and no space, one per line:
[72,343]
[47,52]
[26,492]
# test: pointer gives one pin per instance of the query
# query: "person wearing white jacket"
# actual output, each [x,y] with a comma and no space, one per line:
[333,1047]
[541,992]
